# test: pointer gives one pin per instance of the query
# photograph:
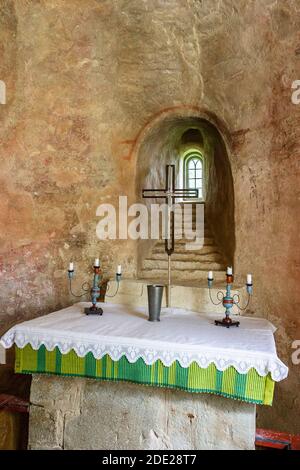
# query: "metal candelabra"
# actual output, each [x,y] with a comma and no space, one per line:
[229,300]
[94,290]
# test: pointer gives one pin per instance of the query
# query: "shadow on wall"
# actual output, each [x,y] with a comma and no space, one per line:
[166,143]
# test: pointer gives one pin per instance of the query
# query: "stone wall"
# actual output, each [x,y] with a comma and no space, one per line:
[75,413]
[86,82]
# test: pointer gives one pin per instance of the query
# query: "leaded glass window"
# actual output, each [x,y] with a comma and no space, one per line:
[194,174]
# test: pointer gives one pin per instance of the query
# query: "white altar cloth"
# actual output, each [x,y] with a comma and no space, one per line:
[181,335]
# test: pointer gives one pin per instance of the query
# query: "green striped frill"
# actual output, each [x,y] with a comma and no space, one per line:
[250,387]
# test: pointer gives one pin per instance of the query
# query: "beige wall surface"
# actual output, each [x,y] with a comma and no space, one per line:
[87,81]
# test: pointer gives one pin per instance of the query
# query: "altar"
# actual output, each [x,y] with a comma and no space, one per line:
[118,381]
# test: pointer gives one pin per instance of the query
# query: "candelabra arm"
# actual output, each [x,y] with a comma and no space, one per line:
[237,303]
[218,294]
[83,288]
[118,279]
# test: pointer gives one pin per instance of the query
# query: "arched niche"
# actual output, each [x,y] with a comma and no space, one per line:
[163,143]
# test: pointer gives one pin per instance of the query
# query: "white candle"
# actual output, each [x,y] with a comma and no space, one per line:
[210,275]
[229,271]
[119,269]
[71,267]
[249,278]
[97,262]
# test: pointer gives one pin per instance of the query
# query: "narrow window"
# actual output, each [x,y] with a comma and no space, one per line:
[193,172]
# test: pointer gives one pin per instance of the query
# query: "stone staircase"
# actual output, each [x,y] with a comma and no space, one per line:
[188,266]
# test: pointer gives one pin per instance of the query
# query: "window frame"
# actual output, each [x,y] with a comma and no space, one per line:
[193,155]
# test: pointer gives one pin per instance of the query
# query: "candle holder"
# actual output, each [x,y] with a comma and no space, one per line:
[229,301]
[94,290]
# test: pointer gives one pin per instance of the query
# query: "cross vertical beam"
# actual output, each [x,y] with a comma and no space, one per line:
[170,194]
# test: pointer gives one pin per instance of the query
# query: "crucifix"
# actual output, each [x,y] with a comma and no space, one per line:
[170,193]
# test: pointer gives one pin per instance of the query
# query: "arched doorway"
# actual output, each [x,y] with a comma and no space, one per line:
[180,141]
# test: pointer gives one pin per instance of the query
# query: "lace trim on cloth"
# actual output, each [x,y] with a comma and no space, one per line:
[149,355]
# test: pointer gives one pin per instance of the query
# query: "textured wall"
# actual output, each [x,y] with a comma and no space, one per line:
[75,413]
[86,82]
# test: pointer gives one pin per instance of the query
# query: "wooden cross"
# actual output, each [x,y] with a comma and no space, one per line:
[170,193]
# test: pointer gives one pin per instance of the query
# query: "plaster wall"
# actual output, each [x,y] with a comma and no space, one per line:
[86,82]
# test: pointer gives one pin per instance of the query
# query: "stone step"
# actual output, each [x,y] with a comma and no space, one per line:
[188,206]
[178,216]
[182,233]
[184,265]
[183,241]
[193,227]
[189,217]
[189,263]
[184,248]
[180,249]
[187,256]
[186,275]
[193,251]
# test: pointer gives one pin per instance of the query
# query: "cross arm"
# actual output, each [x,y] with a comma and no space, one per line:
[152,193]
[186,193]
[162,193]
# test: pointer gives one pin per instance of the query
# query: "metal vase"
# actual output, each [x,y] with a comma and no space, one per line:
[155,293]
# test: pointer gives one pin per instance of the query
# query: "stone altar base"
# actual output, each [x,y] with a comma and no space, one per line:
[78,413]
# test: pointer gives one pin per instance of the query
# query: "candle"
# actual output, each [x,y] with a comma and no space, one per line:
[71,267]
[97,263]
[119,269]
[249,279]
[229,271]
[210,275]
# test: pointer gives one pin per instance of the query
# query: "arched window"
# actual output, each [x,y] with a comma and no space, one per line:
[193,173]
